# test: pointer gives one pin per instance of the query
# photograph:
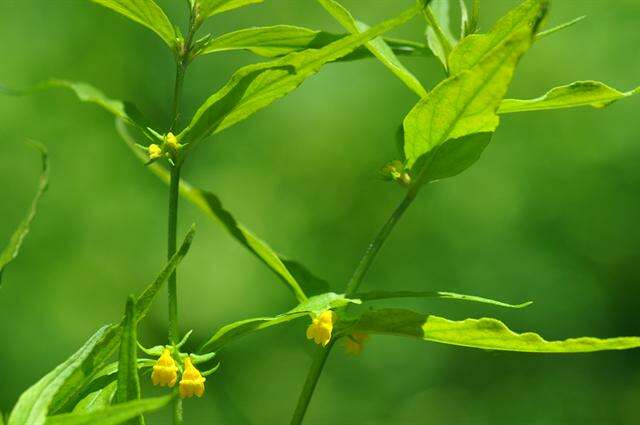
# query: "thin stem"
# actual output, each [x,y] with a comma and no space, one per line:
[174,186]
[369,256]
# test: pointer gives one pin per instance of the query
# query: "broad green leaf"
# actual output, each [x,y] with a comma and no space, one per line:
[377,46]
[580,93]
[279,40]
[299,280]
[474,48]
[449,128]
[33,405]
[97,400]
[256,86]
[207,8]
[381,295]
[11,251]
[488,334]
[112,415]
[314,305]
[144,12]
[560,27]
[439,36]
[128,384]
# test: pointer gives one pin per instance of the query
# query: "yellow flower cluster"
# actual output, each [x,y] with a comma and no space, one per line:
[169,148]
[165,373]
[321,327]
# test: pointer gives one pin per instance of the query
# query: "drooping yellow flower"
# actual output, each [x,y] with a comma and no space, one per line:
[321,327]
[172,141]
[192,382]
[154,151]
[354,343]
[165,371]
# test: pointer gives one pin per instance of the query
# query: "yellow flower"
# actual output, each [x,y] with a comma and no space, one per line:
[154,151]
[165,371]
[320,328]
[192,381]
[172,141]
[354,343]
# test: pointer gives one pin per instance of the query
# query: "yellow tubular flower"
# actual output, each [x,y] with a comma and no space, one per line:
[192,382]
[165,371]
[320,328]
[354,343]
[154,151]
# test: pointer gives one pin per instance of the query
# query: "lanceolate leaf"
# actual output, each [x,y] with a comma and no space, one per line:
[440,39]
[580,93]
[128,384]
[381,295]
[279,40]
[208,8]
[15,242]
[314,305]
[378,47]
[33,405]
[97,400]
[112,415]
[144,12]
[488,334]
[256,86]
[299,280]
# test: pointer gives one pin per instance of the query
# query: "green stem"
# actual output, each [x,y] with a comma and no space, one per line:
[174,186]
[369,256]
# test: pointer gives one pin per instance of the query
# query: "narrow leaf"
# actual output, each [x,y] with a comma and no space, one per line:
[280,40]
[488,334]
[144,12]
[207,8]
[256,86]
[113,415]
[580,93]
[377,46]
[33,405]
[128,387]
[314,305]
[559,27]
[12,249]
[439,36]
[97,400]
[381,295]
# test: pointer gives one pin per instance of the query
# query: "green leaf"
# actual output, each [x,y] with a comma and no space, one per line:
[439,36]
[580,93]
[144,12]
[209,8]
[446,131]
[12,249]
[488,334]
[256,86]
[97,400]
[128,387]
[381,295]
[314,306]
[211,205]
[279,40]
[113,415]
[33,405]
[377,46]
[474,48]
[559,27]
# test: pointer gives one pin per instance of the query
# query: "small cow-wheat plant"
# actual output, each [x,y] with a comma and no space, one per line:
[441,136]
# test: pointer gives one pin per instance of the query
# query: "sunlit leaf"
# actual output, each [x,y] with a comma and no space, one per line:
[144,12]
[112,415]
[488,334]
[439,36]
[256,86]
[377,46]
[381,295]
[97,400]
[11,251]
[314,305]
[128,383]
[580,93]
[209,8]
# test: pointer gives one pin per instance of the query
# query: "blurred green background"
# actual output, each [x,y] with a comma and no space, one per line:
[549,214]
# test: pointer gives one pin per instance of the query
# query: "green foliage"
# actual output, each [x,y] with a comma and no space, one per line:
[147,13]
[488,334]
[11,251]
[381,295]
[128,383]
[439,36]
[207,8]
[112,415]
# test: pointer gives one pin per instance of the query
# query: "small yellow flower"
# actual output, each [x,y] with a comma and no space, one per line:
[154,151]
[192,381]
[172,141]
[354,343]
[320,328]
[165,371]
